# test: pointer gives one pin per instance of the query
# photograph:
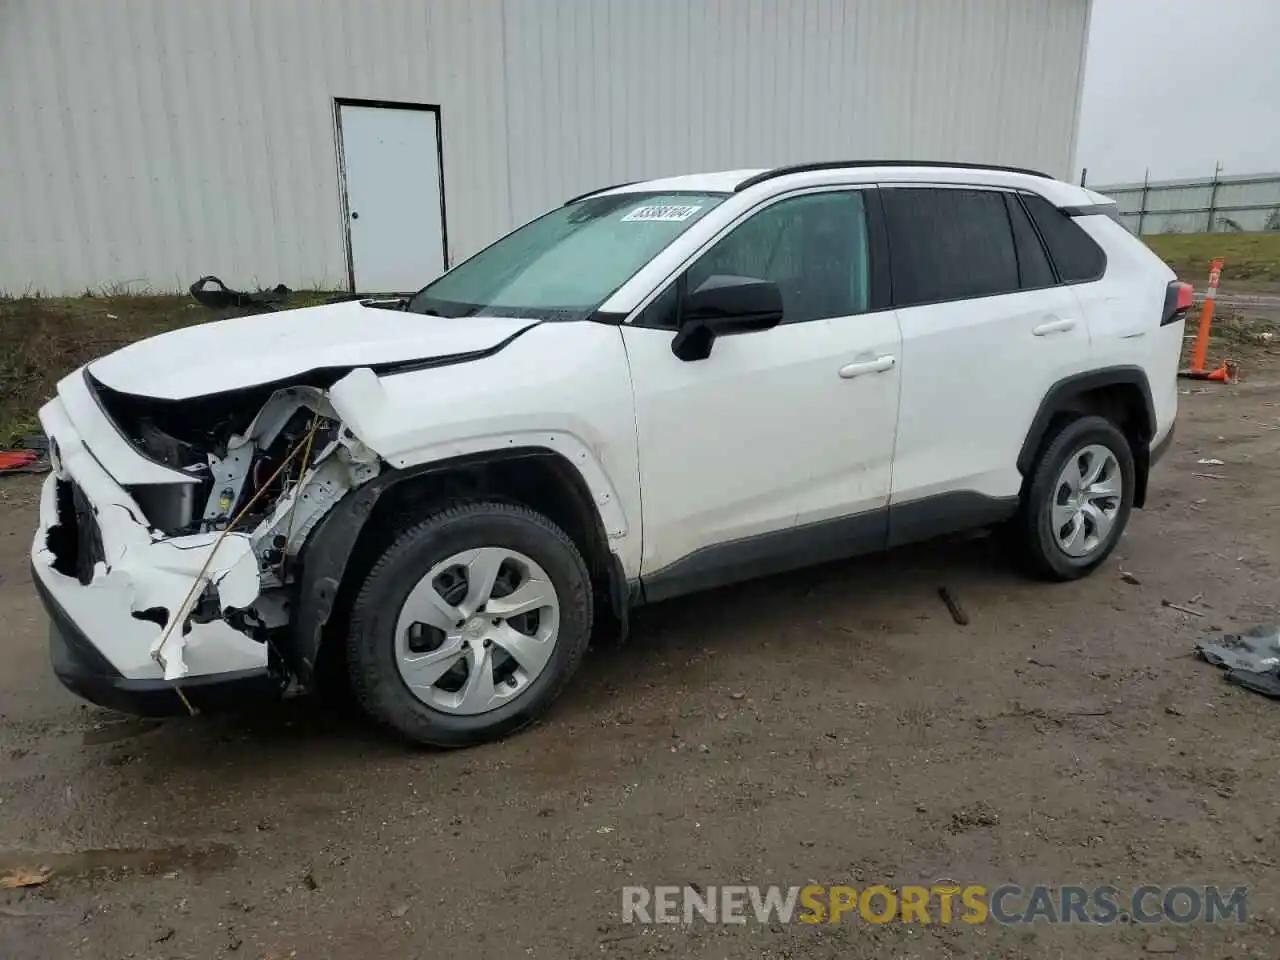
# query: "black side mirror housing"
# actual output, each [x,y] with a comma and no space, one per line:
[724,305]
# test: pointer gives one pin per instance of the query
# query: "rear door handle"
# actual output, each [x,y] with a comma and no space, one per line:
[1054,326]
[878,365]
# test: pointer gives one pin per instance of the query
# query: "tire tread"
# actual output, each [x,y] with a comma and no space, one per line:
[1037,557]
[383,696]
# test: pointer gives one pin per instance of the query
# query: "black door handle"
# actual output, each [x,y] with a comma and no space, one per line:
[354,215]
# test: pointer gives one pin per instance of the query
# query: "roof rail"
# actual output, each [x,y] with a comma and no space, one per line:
[592,193]
[841,164]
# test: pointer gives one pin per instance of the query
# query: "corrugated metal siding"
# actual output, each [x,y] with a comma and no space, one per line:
[151,141]
[614,90]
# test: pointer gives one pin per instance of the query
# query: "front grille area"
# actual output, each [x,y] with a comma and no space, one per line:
[75,540]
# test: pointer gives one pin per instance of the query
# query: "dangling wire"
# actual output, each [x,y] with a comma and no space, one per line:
[199,578]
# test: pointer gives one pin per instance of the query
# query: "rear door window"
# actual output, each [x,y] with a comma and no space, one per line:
[949,244]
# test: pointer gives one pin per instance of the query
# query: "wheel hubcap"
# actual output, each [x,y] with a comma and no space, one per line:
[477,630]
[1086,501]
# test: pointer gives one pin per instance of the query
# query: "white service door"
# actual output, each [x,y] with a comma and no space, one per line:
[391,158]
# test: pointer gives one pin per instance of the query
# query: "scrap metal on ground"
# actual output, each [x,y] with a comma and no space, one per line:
[1251,659]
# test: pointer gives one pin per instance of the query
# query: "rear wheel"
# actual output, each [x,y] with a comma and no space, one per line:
[470,624]
[1078,500]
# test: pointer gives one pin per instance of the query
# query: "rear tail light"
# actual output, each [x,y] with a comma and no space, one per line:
[1178,297]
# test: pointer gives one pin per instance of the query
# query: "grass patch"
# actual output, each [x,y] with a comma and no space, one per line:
[42,339]
[1249,256]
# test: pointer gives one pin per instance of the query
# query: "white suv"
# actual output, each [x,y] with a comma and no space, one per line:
[657,388]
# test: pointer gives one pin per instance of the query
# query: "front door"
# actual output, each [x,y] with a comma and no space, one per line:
[774,451]
[395,225]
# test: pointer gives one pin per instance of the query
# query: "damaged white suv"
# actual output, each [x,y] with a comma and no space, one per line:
[654,389]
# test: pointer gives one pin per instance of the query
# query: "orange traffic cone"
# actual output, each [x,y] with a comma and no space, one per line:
[1224,372]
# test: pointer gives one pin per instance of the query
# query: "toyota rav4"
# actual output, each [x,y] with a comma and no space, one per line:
[654,389]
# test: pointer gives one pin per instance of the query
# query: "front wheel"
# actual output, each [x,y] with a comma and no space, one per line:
[1078,500]
[470,624]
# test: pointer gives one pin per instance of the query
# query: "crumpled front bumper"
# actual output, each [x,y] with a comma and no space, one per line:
[83,670]
[108,642]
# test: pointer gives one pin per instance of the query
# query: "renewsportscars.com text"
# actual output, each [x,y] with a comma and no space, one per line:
[937,903]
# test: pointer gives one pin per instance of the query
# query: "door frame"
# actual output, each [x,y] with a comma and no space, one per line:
[344,207]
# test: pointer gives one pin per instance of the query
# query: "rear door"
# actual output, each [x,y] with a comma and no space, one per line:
[986,330]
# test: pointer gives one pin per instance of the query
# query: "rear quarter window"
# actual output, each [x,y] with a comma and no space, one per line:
[1076,256]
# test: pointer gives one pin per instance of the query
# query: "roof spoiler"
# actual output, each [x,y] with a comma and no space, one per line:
[1108,209]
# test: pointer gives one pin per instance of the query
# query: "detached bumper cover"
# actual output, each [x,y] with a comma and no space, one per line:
[84,671]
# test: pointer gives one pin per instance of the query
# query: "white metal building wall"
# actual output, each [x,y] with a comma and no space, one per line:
[147,142]
[159,140]
[628,89]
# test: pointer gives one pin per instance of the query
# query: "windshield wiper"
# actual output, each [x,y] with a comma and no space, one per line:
[447,310]
[398,303]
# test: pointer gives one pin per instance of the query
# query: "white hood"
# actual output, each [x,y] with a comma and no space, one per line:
[264,348]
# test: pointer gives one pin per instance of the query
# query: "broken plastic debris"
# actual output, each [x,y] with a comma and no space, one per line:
[1251,659]
[1210,461]
[23,461]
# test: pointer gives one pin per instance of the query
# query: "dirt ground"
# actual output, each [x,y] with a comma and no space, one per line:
[831,726]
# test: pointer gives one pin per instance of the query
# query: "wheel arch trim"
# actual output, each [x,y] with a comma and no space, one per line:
[326,554]
[1058,396]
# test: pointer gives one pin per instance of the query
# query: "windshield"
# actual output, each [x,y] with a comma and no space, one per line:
[563,265]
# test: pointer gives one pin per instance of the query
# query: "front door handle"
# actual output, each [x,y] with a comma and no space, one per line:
[1054,326]
[878,365]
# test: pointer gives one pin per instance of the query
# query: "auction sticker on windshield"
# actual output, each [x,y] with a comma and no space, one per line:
[673,213]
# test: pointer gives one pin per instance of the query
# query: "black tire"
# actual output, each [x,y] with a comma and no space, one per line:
[1031,532]
[371,659]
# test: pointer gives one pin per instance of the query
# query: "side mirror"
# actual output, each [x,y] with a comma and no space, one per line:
[724,305]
